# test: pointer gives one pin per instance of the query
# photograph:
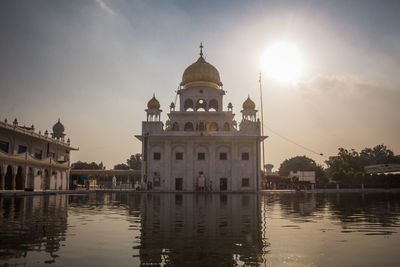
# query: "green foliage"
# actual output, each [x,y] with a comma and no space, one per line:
[303,163]
[352,161]
[79,165]
[121,166]
[299,163]
[135,161]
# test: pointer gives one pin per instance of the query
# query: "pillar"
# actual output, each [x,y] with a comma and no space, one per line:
[212,160]
[55,180]
[188,180]
[234,180]
[14,177]
[166,180]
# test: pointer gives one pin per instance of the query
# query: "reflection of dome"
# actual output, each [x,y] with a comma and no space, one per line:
[153,103]
[249,104]
[58,128]
[201,73]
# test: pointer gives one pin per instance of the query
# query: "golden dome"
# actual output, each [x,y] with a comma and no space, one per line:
[201,73]
[153,103]
[248,104]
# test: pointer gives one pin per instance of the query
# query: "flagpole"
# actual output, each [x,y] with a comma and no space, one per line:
[262,127]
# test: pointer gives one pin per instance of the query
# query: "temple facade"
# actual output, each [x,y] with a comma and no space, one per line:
[201,147]
[32,160]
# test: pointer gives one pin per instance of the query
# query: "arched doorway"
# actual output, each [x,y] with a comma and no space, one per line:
[201,105]
[46,179]
[19,179]
[212,127]
[188,105]
[188,127]
[8,178]
[213,105]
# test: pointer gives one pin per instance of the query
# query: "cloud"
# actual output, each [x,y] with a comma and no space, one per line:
[340,84]
[105,7]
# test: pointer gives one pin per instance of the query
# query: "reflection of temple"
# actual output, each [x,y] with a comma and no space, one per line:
[201,147]
[36,223]
[203,230]
[33,161]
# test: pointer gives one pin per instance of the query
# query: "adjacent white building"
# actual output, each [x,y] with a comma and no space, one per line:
[201,147]
[31,160]
[304,176]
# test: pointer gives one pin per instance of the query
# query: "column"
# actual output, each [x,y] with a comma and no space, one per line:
[234,180]
[188,180]
[212,176]
[67,177]
[55,180]
[167,185]
[14,177]
[256,162]
[25,176]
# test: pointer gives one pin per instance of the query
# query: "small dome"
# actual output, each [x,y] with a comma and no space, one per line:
[248,104]
[201,73]
[58,128]
[153,103]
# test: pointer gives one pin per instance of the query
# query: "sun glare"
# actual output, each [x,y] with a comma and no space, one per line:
[282,62]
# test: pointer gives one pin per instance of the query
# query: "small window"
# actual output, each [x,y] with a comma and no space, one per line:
[22,149]
[179,156]
[4,146]
[38,154]
[245,156]
[245,182]
[201,156]
[157,156]
[223,156]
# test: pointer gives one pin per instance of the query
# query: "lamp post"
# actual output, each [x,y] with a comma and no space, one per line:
[262,127]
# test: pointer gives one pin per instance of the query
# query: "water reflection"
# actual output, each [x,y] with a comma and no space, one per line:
[36,223]
[103,229]
[203,230]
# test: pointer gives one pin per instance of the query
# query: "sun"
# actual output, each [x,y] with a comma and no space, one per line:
[283,62]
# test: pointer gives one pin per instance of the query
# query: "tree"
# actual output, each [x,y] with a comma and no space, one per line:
[303,163]
[352,161]
[79,165]
[121,166]
[299,163]
[135,161]
[380,154]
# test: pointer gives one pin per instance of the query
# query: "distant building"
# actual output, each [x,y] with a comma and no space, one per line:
[33,161]
[201,147]
[383,168]
[268,168]
[304,176]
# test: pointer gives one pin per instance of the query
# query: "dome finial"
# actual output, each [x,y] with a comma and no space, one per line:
[201,49]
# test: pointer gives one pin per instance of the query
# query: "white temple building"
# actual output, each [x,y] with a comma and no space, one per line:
[201,147]
[34,161]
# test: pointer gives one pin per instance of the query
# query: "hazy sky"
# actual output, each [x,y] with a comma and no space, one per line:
[95,64]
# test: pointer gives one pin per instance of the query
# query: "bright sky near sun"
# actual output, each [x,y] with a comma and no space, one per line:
[330,68]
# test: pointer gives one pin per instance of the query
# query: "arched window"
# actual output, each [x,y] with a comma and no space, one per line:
[201,126]
[213,105]
[188,105]
[212,127]
[175,126]
[188,126]
[227,127]
[201,105]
